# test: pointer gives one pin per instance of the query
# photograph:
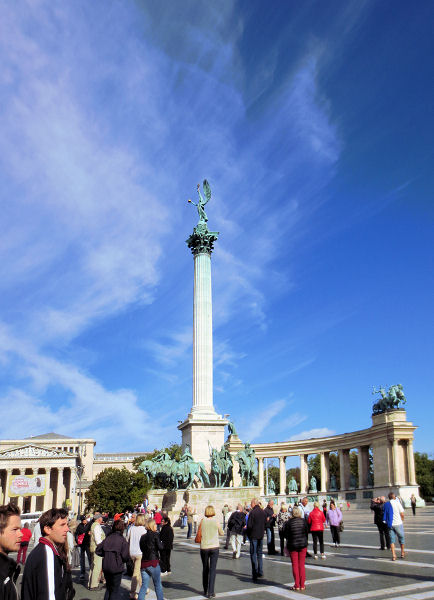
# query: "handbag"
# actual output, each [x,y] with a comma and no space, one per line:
[341,526]
[198,537]
[80,539]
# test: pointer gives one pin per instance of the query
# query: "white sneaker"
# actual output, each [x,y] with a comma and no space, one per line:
[315,556]
[323,556]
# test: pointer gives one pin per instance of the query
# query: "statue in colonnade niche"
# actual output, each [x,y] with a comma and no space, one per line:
[333,483]
[231,429]
[313,484]
[293,485]
[271,487]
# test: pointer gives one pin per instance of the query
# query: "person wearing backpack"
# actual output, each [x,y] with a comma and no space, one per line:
[114,551]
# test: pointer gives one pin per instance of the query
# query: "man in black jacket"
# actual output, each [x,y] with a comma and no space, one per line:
[269,525]
[236,524]
[255,532]
[377,506]
[10,538]
[46,574]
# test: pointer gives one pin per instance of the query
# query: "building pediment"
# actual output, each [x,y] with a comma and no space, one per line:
[33,451]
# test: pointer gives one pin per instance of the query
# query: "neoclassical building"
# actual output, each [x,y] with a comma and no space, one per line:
[47,470]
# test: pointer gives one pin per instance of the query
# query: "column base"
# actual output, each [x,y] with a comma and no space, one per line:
[200,431]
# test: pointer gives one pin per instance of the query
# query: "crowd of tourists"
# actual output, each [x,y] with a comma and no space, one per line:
[141,541]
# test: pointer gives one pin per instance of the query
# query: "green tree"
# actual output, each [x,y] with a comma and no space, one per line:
[314,468]
[424,474]
[274,474]
[116,490]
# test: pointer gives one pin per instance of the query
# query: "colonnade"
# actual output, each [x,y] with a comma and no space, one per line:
[60,485]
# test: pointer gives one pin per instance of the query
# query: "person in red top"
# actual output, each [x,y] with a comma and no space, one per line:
[24,544]
[157,518]
[316,521]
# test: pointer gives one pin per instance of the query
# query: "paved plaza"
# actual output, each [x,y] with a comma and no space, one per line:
[357,570]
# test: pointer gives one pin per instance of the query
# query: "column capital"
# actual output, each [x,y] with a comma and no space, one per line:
[201,241]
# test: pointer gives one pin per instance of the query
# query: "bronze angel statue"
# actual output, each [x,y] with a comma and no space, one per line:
[202,201]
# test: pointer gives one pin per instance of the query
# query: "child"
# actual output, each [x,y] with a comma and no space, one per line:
[166,538]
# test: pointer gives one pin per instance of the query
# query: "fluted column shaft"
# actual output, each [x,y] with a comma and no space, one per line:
[410,463]
[282,473]
[261,476]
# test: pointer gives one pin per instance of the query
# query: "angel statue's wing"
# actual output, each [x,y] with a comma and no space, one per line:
[207,189]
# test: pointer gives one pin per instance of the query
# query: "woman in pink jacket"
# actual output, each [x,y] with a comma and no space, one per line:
[316,521]
[334,519]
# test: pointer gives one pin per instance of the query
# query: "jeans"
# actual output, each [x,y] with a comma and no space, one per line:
[318,536]
[113,584]
[282,541]
[209,562]
[256,558]
[335,534]
[189,528]
[270,540]
[298,570]
[146,574]
[383,530]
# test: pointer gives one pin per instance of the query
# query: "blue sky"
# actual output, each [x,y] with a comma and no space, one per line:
[313,123]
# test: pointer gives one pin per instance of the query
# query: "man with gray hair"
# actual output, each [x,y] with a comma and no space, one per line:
[97,535]
[236,526]
[255,532]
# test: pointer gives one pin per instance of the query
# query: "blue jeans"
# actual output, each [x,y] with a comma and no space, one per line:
[209,568]
[189,528]
[256,558]
[146,574]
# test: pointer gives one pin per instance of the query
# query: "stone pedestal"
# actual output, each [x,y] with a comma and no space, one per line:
[199,434]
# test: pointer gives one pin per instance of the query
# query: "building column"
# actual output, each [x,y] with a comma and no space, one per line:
[410,462]
[325,469]
[282,473]
[32,503]
[261,476]
[60,491]
[73,492]
[303,473]
[344,468]
[395,462]
[48,499]
[7,482]
[363,465]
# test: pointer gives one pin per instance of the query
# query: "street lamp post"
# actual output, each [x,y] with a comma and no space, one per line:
[80,470]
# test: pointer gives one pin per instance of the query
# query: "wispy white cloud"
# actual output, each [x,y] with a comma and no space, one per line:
[313,433]
[261,420]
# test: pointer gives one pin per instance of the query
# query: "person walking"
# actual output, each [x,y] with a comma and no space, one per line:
[82,539]
[394,518]
[334,519]
[255,532]
[97,535]
[10,539]
[189,521]
[114,551]
[134,535]
[377,506]
[316,521]
[236,525]
[209,550]
[225,511]
[269,525]
[166,538]
[296,533]
[413,502]
[24,544]
[151,546]
[282,516]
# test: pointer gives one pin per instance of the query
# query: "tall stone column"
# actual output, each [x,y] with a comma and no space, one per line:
[203,426]
[363,465]
[282,475]
[261,476]
[395,463]
[303,473]
[325,471]
[60,489]
[410,463]
[7,482]
[48,498]
[344,468]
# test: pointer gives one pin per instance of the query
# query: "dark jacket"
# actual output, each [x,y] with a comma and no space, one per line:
[296,534]
[236,522]
[271,517]
[166,536]
[81,528]
[150,545]
[115,552]
[8,570]
[378,509]
[35,577]
[256,523]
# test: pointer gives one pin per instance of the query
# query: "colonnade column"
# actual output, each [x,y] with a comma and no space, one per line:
[60,489]
[344,470]
[303,473]
[48,499]
[410,463]
[261,476]
[282,473]
[395,462]
[363,465]
[7,482]
[325,470]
